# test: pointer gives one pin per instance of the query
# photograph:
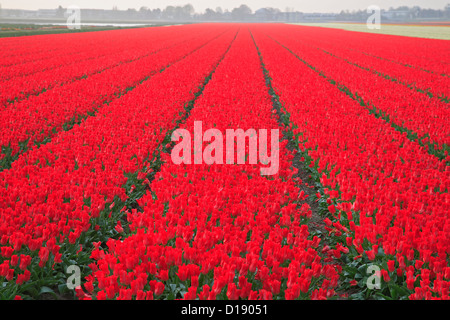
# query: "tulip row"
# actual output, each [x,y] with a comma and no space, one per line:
[87,183]
[427,83]
[398,104]
[25,50]
[428,55]
[51,195]
[65,59]
[37,119]
[65,69]
[385,196]
[219,231]
[430,83]
[94,45]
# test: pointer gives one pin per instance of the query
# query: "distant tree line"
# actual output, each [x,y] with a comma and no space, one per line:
[243,12]
[187,13]
[403,12]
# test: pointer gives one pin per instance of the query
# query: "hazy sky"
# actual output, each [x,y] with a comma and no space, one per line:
[201,5]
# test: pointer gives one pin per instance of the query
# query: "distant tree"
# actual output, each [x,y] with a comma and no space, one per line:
[209,14]
[178,12]
[145,12]
[156,13]
[169,12]
[270,13]
[403,8]
[130,13]
[219,10]
[245,9]
[188,10]
[60,12]
[415,11]
[241,13]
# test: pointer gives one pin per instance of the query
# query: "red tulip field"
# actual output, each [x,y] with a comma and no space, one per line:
[93,205]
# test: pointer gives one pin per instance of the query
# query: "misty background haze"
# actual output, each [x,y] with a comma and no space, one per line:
[189,11]
[201,5]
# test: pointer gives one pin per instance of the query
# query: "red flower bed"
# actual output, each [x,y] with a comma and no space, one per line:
[40,117]
[359,51]
[407,108]
[87,179]
[219,231]
[50,194]
[430,55]
[93,55]
[386,196]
